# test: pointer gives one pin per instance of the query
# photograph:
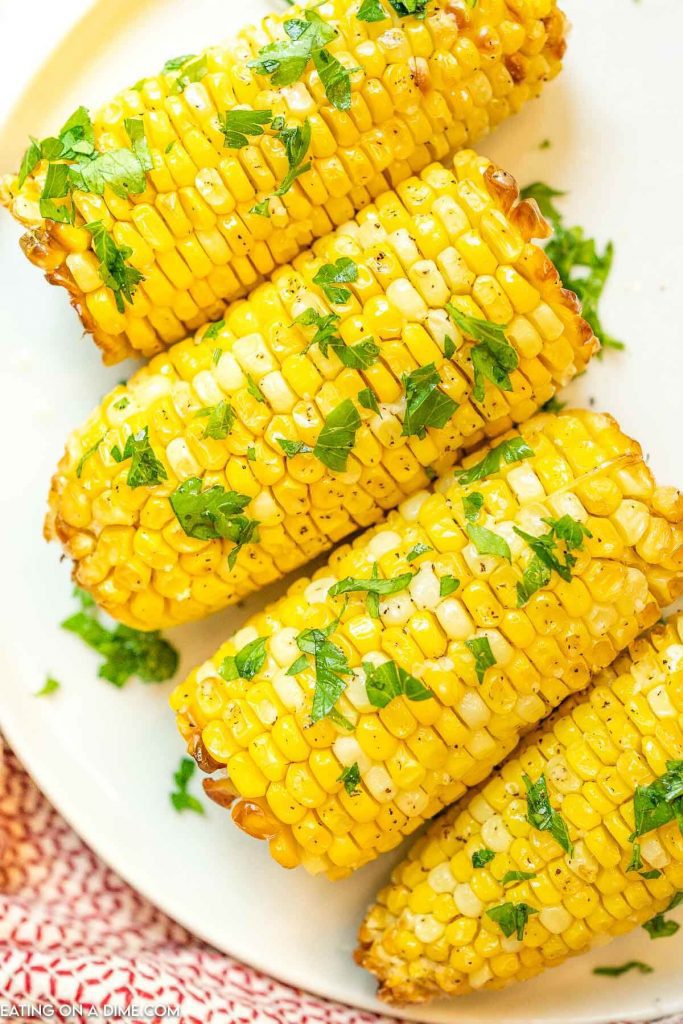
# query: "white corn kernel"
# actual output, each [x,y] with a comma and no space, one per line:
[465,900]
[288,691]
[441,878]
[495,834]
[181,460]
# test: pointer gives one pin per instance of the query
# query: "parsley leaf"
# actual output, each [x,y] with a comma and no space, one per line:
[350,776]
[254,390]
[49,686]
[480,858]
[658,927]
[335,78]
[221,419]
[213,330]
[115,272]
[296,140]
[541,815]
[180,798]
[371,10]
[368,400]
[512,918]
[404,8]
[659,802]
[292,448]
[493,358]
[517,876]
[338,436]
[358,357]
[332,275]
[248,661]
[214,514]
[553,405]
[480,648]
[331,666]
[376,585]
[386,681]
[426,404]
[236,125]
[544,195]
[472,505]
[190,67]
[29,161]
[86,455]
[146,470]
[487,542]
[417,550]
[448,585]
[513,450]
[616,972]
[126,652]
[545,560]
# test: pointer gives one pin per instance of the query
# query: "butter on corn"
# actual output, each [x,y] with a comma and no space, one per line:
[473,666]
[424,89]
[255,381]
[431,932]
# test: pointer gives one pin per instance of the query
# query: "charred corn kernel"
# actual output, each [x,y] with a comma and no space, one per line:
[582,899]
[420,92]
[413,757]
[279,387]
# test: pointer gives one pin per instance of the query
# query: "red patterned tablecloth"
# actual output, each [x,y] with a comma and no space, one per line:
[72,932]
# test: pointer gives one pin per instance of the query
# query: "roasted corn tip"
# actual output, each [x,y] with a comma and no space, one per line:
[252,404]
[339,719]
[444,926]
[420,88]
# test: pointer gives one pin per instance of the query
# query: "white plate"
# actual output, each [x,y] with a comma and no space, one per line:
[105,757]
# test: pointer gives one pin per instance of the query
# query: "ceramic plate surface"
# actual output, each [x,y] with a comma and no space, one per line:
[105,757]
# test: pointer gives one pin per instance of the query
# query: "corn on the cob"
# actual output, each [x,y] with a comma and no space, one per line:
[421,88]
[494,658]
[431,932]
[441,237]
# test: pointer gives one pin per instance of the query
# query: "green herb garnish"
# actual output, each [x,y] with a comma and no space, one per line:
[116,273]
[49,686]
[480,648]
[237,125]
[221,420]
[246,663]
[507,452]
[426,405]
[338,436]
[350,776]
[616,972]
[332,276]
[512,918]
[214,514]
[493,357]
[387,681]
[487,542]
[180,798]
[541,815]
[146,470]
[448,585]
[480,858]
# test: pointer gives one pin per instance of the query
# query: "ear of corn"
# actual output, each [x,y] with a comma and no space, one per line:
[493,666]
[443,237]
[430,931]
[423,88]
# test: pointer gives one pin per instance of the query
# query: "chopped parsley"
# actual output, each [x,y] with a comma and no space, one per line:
[122,404]
[480,649]
[480,858]
[371,10]
[236,125]
[418,8]
[296,140]
[374,587]
[417,550]
[251,453]
[49,686]
[332,276]
[190,68]
[448,585]
[116,273]
[517,876]
[368,400]
[512,918]
[426,405]
[659,802]
[493,357]
[212,332]
[616,972]
[75,163]
[350,776]
[221,420]
[214,514]
[507,452]
[180,798]
[386,681]
[292,448]
[86,455]
[582,267]
[146,470]
[541,815]
[248,661]
[545,560]
[254,390]
[331,665]
[658,927]
[126,652]
[553,405]
[472,505]
[358,357]
[338,436]
[487,542]
[285,61]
